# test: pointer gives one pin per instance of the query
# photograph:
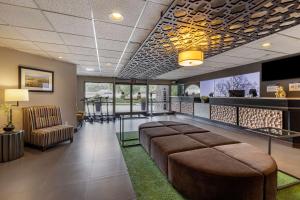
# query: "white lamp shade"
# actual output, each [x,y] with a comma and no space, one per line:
[16,95]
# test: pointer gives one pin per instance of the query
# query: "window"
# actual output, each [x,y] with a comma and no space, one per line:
[158,98]
[192,90]
[100,97]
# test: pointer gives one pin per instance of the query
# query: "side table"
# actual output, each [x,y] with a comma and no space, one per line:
[11,145]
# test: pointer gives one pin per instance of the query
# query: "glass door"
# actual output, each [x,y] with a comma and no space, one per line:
[139,98]
[123,98]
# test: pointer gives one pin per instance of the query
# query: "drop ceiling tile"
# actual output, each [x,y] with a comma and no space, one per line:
[151,15]
[116,45]
[40,36]
[130,9]
[112,31]
[272,56]
[114,54]
[87,63]
[251,53]
[82,50]
[163,2]
[86,58]
[64,56]
[108,60]
[79,8]
[18,44]
[75,40]
[229,59]
[10,32]
[25,3]
[111,45]
[35,52]
[279,43]
[212,64]
[69,24]
[127,56]
[24,17]
[109,54]
[140,35]
[132,47]
[293,32]
[53,47]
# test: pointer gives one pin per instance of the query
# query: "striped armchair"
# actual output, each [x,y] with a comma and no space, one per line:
[43,126]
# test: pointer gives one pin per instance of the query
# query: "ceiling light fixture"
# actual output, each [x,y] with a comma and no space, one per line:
[266,44]
[108,64]
[95,39]
[60,57]
[89,69]
[190,58]
[129,39]
[116,17]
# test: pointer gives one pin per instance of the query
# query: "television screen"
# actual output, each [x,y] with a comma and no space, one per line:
[281,69]
[220,87]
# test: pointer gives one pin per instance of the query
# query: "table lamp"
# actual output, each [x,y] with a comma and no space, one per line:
[14,95]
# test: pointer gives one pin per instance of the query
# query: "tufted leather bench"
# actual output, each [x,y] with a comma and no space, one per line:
[204,165]
[162,147]
[149,133]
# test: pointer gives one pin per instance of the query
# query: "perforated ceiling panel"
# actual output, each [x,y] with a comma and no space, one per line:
[213,26]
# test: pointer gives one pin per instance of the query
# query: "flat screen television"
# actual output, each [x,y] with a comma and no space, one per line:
[287,68]
[236,93]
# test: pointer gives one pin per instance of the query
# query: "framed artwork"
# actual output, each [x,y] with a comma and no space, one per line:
[36,80]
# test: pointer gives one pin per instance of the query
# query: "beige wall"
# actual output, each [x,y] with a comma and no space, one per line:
[65,84]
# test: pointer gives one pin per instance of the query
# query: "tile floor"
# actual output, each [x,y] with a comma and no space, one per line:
[92,167]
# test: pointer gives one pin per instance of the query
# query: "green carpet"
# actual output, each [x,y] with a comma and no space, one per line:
[150,184]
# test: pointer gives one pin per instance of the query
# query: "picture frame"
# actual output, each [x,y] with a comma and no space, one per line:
[36,80]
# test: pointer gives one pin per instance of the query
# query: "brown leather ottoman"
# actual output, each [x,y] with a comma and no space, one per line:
[148,133]
[209,174]
[150,125]
[211,139]
[162,147]
[185,129]
[171,123]
[257,160]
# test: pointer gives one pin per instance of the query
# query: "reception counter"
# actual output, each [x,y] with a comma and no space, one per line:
[257,112]
[248,113]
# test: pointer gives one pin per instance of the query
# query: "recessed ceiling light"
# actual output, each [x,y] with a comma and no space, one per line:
[60,57]
[116,17]
[108,64]
[89,69]
[266,44]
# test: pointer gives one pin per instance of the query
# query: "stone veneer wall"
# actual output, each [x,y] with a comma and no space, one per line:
[187,107]
[259,118]
[225,114]
[175,106]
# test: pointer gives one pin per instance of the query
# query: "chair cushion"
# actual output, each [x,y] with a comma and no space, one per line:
[211,139]
[148,133]
[210,174]
[257,160]
[185,129]
[171,123]
[51,135]
[161,147]
[52,129]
